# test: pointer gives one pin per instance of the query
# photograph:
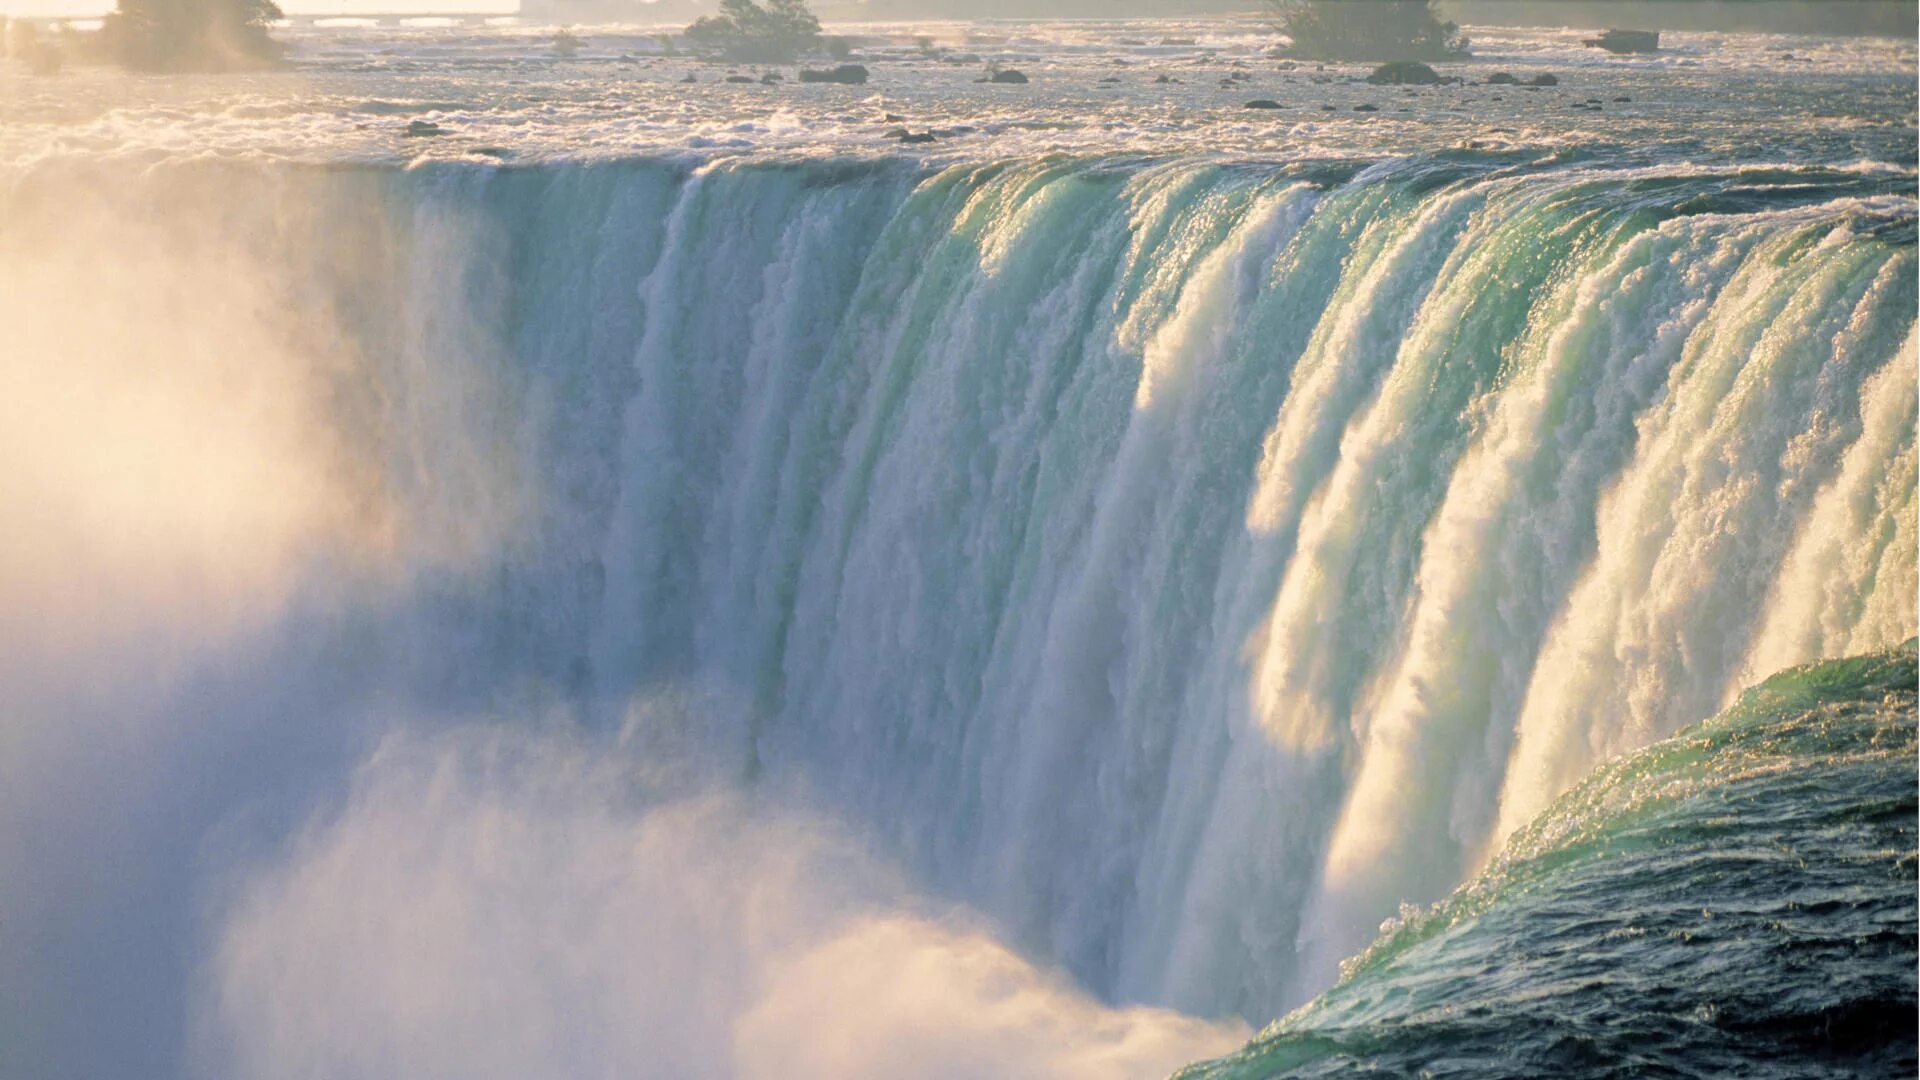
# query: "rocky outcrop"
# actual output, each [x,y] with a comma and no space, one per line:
[1404,73]
[845,74]
[1627,41]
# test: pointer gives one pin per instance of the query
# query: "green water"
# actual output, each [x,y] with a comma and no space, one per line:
[1735,901]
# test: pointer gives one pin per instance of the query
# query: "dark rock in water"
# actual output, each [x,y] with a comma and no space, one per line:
[892,118]
[917,138]
[1404,73]
[1623,99]
[1502,78]
[691,78]
[772,77]
[1008,77]
[1164,80]
[1109,80]
[1366,108]
[741,79]
[845,75]
[1263,103]
[1627,41]
[1544,80]
[1329,108]
[423,128]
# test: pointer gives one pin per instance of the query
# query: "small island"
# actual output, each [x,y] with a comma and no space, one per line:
[190,35]
[745,32]
[1379,30]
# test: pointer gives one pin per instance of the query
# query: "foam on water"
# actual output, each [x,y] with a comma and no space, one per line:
[501,93]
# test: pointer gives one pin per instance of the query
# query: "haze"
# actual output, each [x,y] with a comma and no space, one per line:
[1893,18]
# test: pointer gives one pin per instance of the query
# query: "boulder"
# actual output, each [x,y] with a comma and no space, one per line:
[1366,108]
[1263,103]
[424,128]
[1544,80]
[1502,78]
[1006,77]
[1622,42]
[845,75]
[1404,73]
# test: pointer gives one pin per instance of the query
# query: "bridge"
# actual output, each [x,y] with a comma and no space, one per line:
[412,18]
[310,18]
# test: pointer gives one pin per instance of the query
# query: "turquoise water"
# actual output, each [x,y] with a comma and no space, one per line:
[1737,900]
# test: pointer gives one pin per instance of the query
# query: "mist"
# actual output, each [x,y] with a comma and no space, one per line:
[272,806]
[493,904]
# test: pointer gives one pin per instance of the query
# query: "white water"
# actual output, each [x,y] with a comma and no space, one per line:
[1180,565]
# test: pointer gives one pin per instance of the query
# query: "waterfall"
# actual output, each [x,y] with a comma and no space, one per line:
[1182,564]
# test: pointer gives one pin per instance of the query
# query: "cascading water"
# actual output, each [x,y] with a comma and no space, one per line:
[1188,564]
[1182,563]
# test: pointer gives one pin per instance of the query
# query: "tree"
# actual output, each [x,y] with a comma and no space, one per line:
[191,35]
[748,32]
[25,45]
[1366,30]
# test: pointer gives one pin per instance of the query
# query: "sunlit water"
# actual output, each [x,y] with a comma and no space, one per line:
[662,579]
[1096,88]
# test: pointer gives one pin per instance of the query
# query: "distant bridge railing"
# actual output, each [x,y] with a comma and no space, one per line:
[304,18]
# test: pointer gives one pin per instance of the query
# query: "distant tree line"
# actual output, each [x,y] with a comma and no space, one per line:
[159,35]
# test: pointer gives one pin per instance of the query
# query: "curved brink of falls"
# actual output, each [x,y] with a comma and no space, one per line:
[1184,564]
